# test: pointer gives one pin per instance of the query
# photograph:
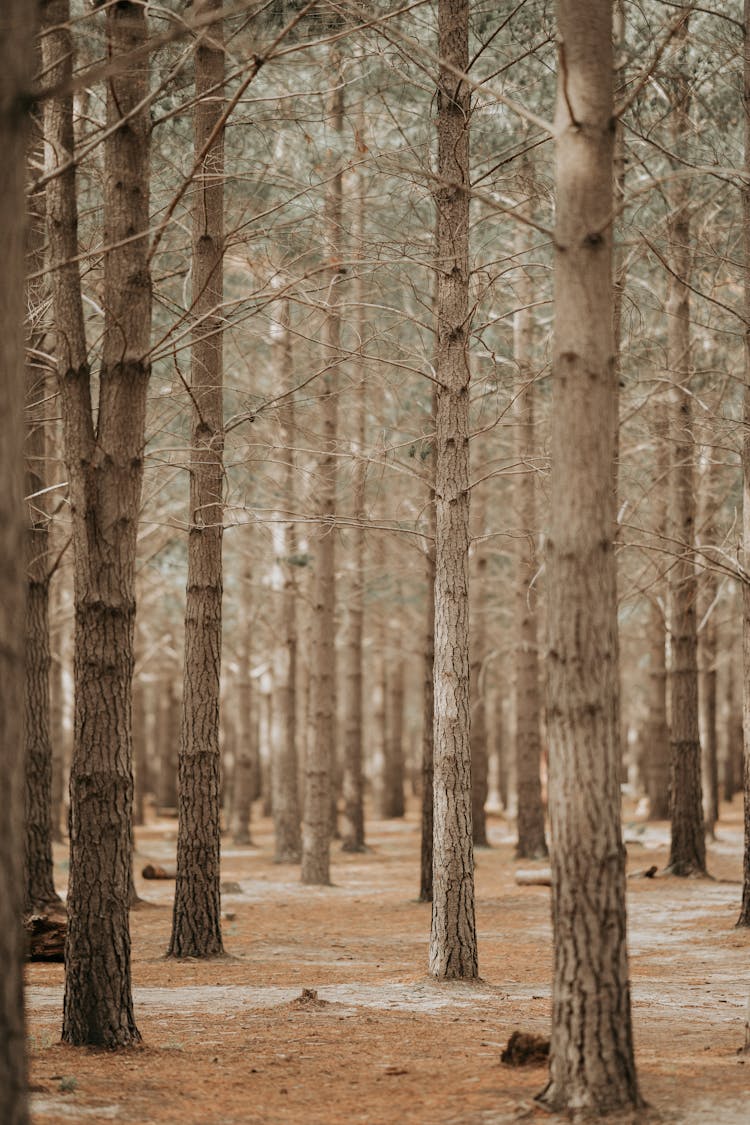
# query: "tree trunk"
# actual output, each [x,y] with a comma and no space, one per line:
[168,738]
[140,751]
[708,588]
[284,763]
[319,765]
[592,1067]
[17,20]
[353,835]
[531,843]
[477,676]
[657,748]
[744,918]
[394,754]
[246,772]
[196,918]
[428,696]
[39,883]
[105,467]
[687,855]
[453,943]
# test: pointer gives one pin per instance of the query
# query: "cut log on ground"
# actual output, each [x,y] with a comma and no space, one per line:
[154,871]
[46,937]
[540,878]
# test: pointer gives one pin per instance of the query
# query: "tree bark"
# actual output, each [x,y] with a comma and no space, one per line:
[453,943]
[320,760]
[708,588]
[284,764]
[428,693]
[196,917]
[246,772]
[592,1066]
[394,753]
[687,854]
[39,882]
[477,677]
[17,28]
[531,842]
[744,918]
[353,835]
[105,466]
[656,734]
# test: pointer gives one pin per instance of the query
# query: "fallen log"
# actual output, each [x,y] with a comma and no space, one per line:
[154,871]
[45,936]
[540,878]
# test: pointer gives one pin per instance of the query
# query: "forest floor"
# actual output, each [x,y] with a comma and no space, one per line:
[229,1042]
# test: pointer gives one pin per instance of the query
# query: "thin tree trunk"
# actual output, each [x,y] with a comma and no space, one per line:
[453,943]
[39,882]
[140,751]
[284,763]
[687,855]
[592,1066]
[477,678]
[246,772]
[708,587]
[105,465]
[353,781]
[657,748]
[196,917]
[744,918]
[17,28]
[394,753]
[428,696]
[320,761]
[531,842]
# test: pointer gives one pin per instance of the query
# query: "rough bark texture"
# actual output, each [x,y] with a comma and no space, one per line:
[17,26]
[687,855]
[591,1064]
[320,758]
[284,764]
[196,918]
[744,918]
[453,944]
[39,884]
[656,733]
[531,841]
[105,460]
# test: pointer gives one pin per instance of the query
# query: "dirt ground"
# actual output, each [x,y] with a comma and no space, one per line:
[228,1042]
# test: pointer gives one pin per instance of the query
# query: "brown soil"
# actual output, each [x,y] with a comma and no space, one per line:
[231,1041]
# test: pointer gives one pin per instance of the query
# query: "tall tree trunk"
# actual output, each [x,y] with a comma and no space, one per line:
[744,918]
[320,761]
[39,883]
[531,843]
[453,942]
[477,676]
[105,467]
[708,588]
[353,835]
[687,855]
[592,1066]
[140,750]
[246,772]
[394,753]
[17,27]
[428,692]
[657,742]
[196,917]
[284,762]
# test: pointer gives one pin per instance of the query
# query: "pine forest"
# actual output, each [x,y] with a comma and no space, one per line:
[374,561]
